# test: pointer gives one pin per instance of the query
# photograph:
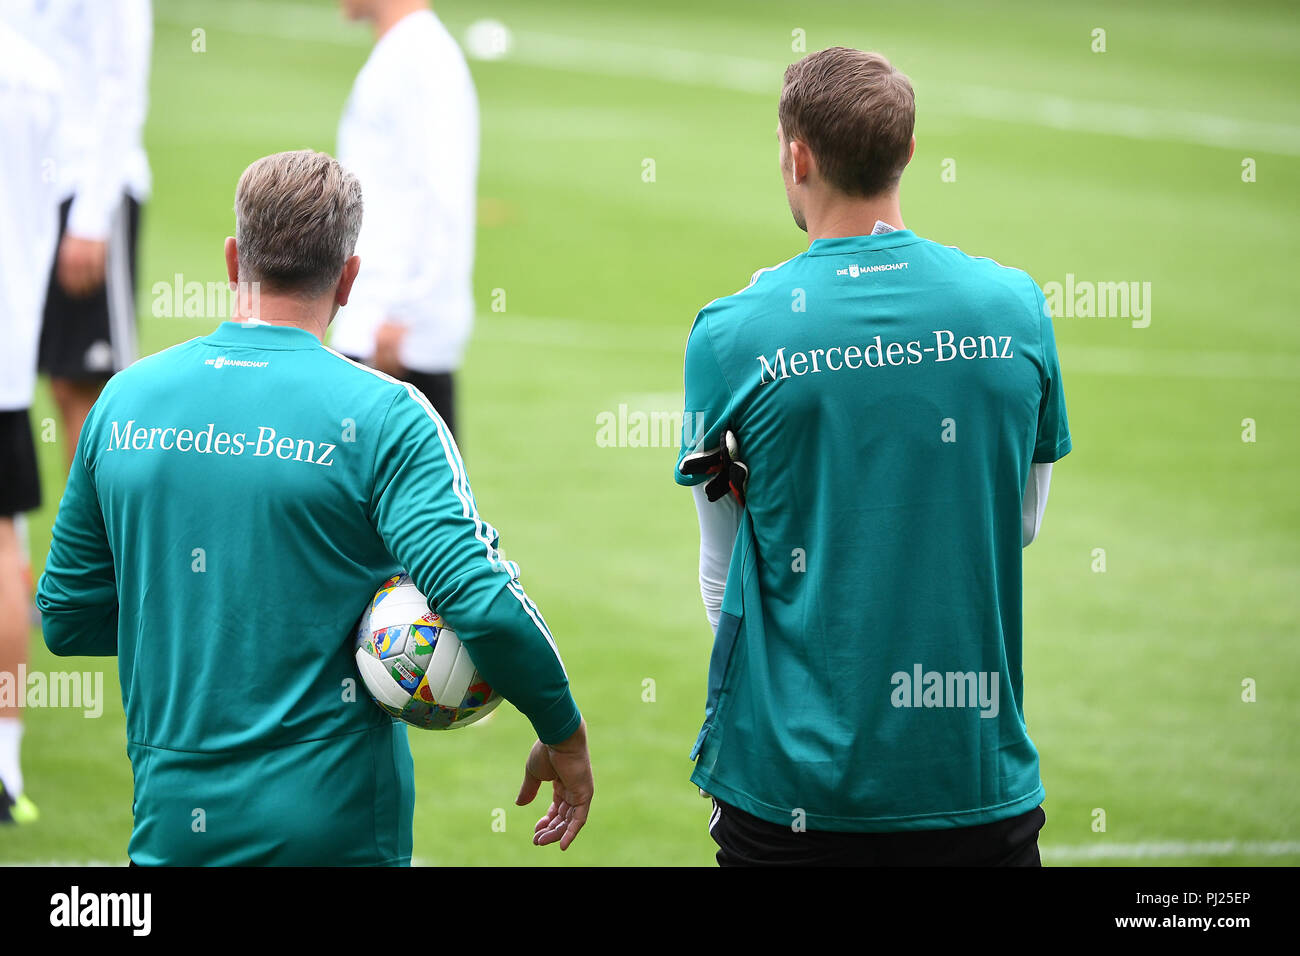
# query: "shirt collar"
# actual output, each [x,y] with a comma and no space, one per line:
[254,333]
[838,245]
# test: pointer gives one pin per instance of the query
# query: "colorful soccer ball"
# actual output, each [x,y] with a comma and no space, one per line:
[414,666]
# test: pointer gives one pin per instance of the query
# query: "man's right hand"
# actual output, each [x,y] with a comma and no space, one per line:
[568,766]
[388,344]
[81,264]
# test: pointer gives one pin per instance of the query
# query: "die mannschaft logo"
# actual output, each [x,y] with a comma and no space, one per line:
[222,362]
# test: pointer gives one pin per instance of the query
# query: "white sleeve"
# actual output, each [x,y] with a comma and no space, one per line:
[417,164]
[719,522]
[121,44]
[1034,502]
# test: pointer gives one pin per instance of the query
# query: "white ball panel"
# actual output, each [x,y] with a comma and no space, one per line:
[403,605]
[442,666]
[460,678]
[378,681]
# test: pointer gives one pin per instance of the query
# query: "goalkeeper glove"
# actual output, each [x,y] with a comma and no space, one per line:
[730,474]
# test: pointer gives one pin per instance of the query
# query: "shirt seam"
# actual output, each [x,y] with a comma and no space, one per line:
[1059,451]
[255,747]
[880,248]
[713,353]
[258,346]
[707,780]
[374,461]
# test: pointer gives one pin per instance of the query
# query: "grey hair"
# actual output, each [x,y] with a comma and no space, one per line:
[297,217]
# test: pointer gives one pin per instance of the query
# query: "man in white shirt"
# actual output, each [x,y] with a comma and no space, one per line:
[29,116]
[102,50]
[410,133]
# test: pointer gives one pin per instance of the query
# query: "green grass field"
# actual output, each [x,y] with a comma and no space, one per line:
[1123,165]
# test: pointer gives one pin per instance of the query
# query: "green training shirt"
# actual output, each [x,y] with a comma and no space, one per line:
[889,395]
[233,505]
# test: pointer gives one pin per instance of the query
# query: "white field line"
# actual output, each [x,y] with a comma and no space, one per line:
[1104,361]
[1169,363]
[298,23]
[651,401]
[1170,850]
[1127,120]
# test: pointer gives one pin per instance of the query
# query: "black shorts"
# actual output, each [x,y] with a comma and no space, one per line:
[438,387]
[745,840]
[20,480]
[89,339]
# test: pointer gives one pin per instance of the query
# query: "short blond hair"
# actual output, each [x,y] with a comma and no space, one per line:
[297,217]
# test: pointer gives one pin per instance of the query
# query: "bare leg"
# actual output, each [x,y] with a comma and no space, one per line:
[13,649]
[74,399]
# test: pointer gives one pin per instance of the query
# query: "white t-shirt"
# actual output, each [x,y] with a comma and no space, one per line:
[29,118]
[410,133]
[102,50]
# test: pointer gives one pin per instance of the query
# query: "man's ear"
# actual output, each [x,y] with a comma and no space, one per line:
[801,161]
[349,276]
[232,262]
[911,150]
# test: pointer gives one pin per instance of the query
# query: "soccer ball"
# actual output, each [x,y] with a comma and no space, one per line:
[414,666]
[488,40]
